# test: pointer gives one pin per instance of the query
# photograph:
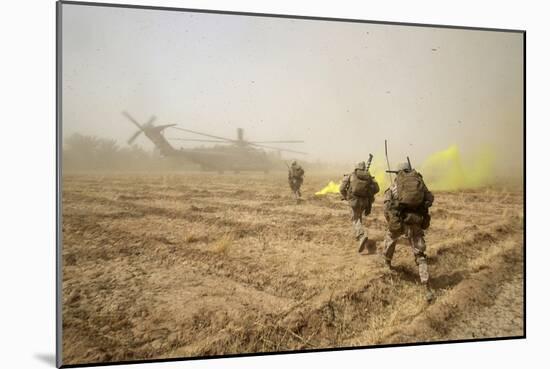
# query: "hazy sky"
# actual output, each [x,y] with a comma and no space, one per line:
[341,87]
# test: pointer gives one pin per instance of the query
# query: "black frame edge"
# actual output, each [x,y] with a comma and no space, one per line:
[525,184]
[58,186]
[310,351]
[288,16]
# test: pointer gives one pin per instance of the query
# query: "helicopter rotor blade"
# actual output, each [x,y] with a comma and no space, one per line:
[205,134]
[133,138]
[131,119]
[196,140]
[150,121]
[262,142]
[279,149]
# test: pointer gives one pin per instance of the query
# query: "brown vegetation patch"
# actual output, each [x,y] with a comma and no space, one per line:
[158,266]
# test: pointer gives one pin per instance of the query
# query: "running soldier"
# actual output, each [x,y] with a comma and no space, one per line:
[406,204]
[359,188]
[295,179]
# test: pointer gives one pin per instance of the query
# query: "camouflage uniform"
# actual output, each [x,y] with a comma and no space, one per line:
[359,205]
[295,179]
[408,223]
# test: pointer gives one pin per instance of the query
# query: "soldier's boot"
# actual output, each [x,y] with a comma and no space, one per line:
[423,271]
[429,293]
[363,242]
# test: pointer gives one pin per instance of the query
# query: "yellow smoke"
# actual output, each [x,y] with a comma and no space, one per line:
[378,171]
[444,170]
[332,187]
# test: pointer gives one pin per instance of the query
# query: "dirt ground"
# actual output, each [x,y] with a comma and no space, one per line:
[183,264]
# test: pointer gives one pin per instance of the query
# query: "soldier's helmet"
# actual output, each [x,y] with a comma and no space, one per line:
[403,166]
[361,165]
[294,163]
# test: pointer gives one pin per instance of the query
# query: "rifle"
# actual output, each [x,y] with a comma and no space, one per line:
[369,162]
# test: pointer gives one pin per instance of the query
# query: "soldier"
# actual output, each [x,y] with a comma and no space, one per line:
[295,179]
[359,188]
[406,204]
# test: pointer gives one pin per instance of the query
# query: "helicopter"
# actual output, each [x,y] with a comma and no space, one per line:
[229,154]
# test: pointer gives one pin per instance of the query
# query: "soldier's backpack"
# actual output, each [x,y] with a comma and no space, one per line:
[410,189]
[297,171]
[361,184]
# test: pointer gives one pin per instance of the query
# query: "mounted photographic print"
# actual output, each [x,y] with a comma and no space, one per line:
[241,184]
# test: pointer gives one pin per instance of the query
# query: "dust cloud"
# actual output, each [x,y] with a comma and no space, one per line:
[445,170]
[450,99]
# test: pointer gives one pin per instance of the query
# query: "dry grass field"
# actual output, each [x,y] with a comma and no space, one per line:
[183,264]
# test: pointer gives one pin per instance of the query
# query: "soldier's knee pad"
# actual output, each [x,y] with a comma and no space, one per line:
[421,258]
[418,244]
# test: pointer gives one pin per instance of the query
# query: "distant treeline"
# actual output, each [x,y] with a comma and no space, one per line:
[91,153]
[84,153]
